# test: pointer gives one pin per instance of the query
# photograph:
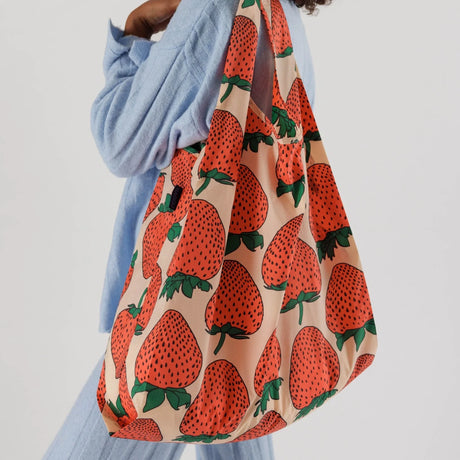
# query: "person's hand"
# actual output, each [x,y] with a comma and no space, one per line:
[151,17]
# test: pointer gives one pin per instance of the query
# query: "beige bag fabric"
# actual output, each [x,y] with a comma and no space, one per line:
[245,306]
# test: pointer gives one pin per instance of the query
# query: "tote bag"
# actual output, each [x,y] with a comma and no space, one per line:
[245,306]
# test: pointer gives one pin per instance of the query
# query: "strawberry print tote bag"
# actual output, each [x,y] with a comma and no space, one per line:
[245,306]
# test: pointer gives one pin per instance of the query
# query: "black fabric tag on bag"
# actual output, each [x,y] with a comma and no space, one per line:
[175,195]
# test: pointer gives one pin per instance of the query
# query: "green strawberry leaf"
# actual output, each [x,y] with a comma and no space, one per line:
[292,303]
[312,136]
[370,326]
[201,438]
[298,189]
[359,337]
[326,247]
[280,287]
[141,300]
[187,288]
[140,387]
[340,340]
[307,147]
[234,80]
[286,125]
[205,183]
[167,202]
[133,258]
[233,243]
[178,397]
[283,188]
[172,398]
[273,392]
[259,406]
[195,148]
[139,329]
[118,410]
[155,398]
[218,176]
[248,3]
[252,240]
[316,402]
[287,52]
[174,231]
[204,285]
[184,398]
[254,139]
[342,236]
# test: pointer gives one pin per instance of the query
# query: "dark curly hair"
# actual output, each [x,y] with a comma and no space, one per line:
[310,5]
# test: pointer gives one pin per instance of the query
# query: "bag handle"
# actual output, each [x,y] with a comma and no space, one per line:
[224,144]
[242,49]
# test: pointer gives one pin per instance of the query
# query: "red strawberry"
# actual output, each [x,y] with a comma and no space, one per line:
[223,153]
[278,257]
[198,256]
[363,362]
[256,131]
[281,120]
[281,37]
[328,220]
[181,175]
[124,327]
[142,429]
[150,297]
[236,308]
[266,378]
[107,413]
[290,171]
[153,240]
[269,423]
[219,406]
[304,283]
[123,408]
[101,388]
[130,273]
[239,64]
[293,103]
[125,399]
[156,195]
[168,361]
[181,167]
[250,207]
[310,128]
[348,307]
[314,370]
[299,110]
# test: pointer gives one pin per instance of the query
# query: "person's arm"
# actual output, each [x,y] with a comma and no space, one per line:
[152,90]
[151,17]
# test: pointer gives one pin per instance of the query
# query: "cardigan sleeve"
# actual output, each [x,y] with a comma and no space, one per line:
[126,113]
[159,96]
[155,91]
[123,51]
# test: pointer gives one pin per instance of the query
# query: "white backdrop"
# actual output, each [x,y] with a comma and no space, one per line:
[387,106]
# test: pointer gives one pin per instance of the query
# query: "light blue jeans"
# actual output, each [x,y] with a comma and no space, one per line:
[84,436]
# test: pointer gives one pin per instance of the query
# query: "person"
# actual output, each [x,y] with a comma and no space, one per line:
[160,96]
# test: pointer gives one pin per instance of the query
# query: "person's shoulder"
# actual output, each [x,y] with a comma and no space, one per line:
[203,16]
